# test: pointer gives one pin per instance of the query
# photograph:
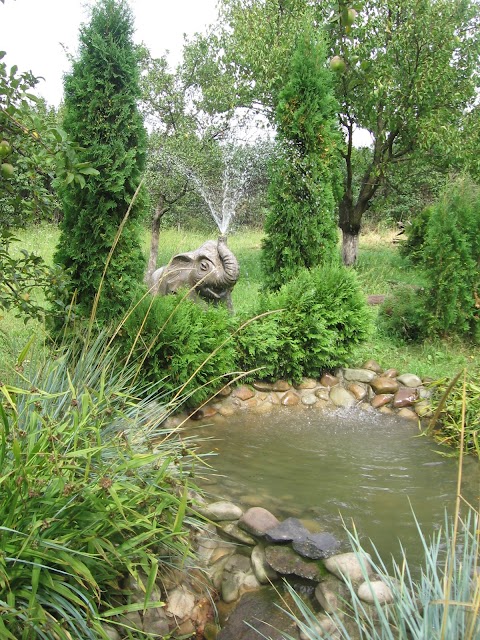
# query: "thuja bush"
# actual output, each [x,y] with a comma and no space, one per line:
[413,246]
[300,227]
[452,261]
[101,115]
[322,315]
[84,501]
[402,315]
[184,344]
[446,243]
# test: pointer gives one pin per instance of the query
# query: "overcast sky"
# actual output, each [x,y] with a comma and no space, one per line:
[35,33]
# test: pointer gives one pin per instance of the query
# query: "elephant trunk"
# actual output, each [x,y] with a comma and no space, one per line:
[229,262]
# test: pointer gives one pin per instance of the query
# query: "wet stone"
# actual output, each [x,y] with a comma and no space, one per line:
[372,365]
[317,546]
[342,398]
[408,414]
[262,385]
[323,394]
[281,385]
[243,393]
[381,400]
[307,383]
[359,375]
[327,380]
[290,399]
[288,530]
[286,561]
[405,397]
[257,521]
[234,531]
[409,380]
[309,399]
[384,384]
[221,510]
[357,391]
[390,373]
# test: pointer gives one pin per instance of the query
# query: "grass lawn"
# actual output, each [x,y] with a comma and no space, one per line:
[380,268]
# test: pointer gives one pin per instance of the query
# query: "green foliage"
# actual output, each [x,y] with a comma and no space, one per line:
[323,318]
[39,153]
[300,226]
[35,157]
[101,114]
[86,500]
[185,345]
[447,426]
[452,261]
[402,315]
[413,247]
[21,276]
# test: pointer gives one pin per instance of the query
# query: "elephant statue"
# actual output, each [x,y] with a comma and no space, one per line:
[210,272]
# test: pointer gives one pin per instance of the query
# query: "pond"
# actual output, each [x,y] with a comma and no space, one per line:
[330,468]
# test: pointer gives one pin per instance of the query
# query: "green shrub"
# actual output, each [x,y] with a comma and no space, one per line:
[402,315]
[416,233]
[452,261]
[85,498]
[324,316]
[102,115]
[300,226]
[186,345]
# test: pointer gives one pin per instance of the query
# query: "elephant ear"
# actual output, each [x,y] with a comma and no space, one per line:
[177,273]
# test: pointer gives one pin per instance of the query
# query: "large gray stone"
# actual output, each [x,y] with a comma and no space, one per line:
[350,565]
[410,380]
[331,594]
[316,546]
[257,521]
[238,577]
[261,568]
[375,590]
[359,375]
[342,398]
[286,561]
[288,530]
[221,510]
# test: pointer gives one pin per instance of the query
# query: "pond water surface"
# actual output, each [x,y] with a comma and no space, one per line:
[330,468]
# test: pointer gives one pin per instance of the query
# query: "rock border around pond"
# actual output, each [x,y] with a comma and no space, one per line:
[368,388]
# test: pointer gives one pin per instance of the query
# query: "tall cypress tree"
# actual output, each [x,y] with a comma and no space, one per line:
[301,229]
[101,115]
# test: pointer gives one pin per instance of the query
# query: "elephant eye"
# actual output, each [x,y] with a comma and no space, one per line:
[204,265]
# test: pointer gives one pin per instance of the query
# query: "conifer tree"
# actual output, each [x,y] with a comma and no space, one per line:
[101,115]
[301,229]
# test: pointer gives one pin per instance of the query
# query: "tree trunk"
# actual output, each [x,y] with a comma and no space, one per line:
[349,248]
[155,234]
